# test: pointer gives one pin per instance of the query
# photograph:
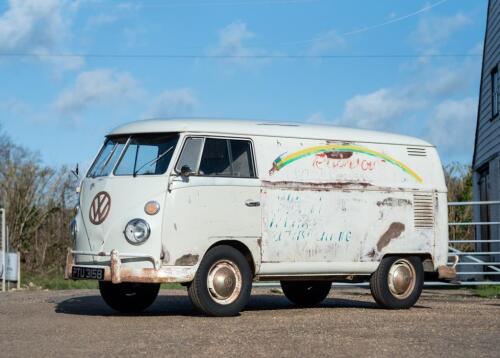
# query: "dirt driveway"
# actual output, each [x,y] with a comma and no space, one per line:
[348,323]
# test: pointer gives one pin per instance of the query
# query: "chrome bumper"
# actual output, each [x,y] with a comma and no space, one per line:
[116,273]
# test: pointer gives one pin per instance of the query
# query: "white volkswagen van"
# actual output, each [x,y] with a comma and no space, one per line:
[218,204]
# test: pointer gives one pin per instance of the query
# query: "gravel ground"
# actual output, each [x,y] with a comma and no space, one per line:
[348,323]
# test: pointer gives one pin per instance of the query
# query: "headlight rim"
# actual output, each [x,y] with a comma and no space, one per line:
[148,231]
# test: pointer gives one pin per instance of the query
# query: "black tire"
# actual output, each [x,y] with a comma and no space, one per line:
[306,293]
[204,298]
[129,297]
[386,296]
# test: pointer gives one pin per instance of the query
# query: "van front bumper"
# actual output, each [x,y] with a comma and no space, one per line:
[117,273]
[446,272]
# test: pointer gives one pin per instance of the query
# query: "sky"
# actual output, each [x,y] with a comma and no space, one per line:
[70,71]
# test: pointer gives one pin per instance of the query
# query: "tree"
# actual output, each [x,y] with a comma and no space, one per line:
[459,182]
[38,201]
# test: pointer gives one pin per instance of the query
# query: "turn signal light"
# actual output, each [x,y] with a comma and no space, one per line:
[152,207]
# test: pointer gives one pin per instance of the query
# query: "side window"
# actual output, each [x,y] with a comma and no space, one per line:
[241,155]
[227,157]
[215,158]
[190,154]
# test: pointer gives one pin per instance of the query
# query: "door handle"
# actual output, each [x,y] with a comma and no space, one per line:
[252,203]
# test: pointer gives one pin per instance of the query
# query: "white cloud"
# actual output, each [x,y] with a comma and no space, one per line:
[451,126]
[433,31]
[326,43]
[39,27]
[233,42]
[96,87]
[449,82]
[172,103]
[317,117]
[375,110]
[113,13]
[14,107]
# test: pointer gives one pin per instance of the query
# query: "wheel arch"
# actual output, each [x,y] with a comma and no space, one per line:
[426,258]
[241,247]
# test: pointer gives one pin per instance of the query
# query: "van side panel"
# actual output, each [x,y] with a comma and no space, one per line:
[347,202]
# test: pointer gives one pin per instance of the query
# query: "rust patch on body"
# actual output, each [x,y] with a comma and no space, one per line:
[187,260]
[393,202]
[303,186]
[259,242]
[393,232]
[338,155]
[447,272]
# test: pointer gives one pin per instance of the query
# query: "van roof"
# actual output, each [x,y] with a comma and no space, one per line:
[264,128]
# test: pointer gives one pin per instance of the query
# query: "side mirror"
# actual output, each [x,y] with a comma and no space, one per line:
[186,171]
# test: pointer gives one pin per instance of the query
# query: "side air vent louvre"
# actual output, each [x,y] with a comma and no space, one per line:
[423,211]
[416,151]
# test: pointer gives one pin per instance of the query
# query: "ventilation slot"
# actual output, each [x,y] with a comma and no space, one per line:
[416,151]
[423,211]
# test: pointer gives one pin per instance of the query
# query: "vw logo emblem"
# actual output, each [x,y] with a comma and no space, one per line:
[99,210]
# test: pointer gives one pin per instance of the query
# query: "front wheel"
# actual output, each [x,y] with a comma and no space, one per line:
[306,293]
[222,284]
[398,282]
[129,297]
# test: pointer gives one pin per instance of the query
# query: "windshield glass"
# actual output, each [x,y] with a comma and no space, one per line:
[147,154]
[108,156]
[144,154]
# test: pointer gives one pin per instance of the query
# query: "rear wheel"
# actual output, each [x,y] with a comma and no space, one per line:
[306,293]
[129,297]
[222,284]
[398,282]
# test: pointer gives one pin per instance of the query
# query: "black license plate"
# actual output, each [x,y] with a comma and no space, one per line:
[87,273]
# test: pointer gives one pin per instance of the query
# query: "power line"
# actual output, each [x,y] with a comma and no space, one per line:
[216,57]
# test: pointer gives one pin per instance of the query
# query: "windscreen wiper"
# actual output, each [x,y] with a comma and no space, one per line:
[153,161]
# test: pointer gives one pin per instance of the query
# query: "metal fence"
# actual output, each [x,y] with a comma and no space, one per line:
[3,232]
[479,262]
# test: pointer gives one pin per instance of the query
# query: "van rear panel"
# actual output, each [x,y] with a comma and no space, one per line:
[339,202]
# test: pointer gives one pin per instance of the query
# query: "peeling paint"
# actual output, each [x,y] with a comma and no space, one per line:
[338,155]
[394,202]
[393,232]
[187,260]
[165,255]
[307,186]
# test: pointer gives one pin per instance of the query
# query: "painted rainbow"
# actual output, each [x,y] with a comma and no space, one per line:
[284,160]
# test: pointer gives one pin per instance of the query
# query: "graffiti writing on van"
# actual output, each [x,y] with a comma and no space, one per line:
[345,154]
[324,161]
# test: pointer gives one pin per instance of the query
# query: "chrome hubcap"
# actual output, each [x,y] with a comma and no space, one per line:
[401,278]
[224,282]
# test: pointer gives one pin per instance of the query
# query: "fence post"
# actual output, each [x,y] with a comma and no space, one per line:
[4,260]
[18,286]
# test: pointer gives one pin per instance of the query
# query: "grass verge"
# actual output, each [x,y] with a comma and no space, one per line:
[487,291]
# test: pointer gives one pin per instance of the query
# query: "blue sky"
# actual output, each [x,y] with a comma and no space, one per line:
[62,106]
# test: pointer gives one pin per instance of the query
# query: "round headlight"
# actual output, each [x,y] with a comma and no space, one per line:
[137,231]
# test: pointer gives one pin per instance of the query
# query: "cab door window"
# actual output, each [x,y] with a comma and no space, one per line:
[215,158]
[190,155]
[241,158]
[228,158]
